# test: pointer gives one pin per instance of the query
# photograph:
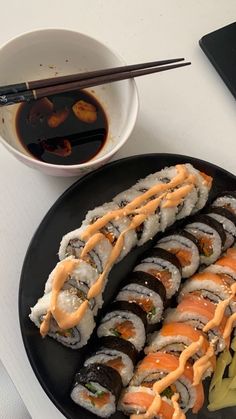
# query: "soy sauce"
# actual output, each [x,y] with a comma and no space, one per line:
[68,128]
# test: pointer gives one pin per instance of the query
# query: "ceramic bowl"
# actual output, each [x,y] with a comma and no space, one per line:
[54,52]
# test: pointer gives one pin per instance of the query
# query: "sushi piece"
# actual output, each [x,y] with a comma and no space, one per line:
[228,221]
[137,399]
[226,200]
[174,338]
[203,183]
[157,365]
[165,267]
[72,245]
[118,354]
[211,286]
[144,289]
[79,281]
[113,228]
[97,388]
[210,235]
[125,320]
[198,311]
[68,302]
[150,226]
[185,247]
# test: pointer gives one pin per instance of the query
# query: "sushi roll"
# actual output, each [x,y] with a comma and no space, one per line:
[185,247]
[156,366]
[72,245]
[228,221]
[118,354]
[165,267]
[145,290]
[79,280]
[198,311]
[125,320]
[174,338]
[210,236]
[67,301]
[113,228]
[226,200]
[97,388]
[203,183]
[137,399]
[211,286]
[150,226]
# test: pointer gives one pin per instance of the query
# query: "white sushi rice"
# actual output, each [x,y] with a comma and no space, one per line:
[104,411]
[202,188]
[105,355]
[69,303]
[222,270]
[72,244]
[115,227]
[177,241]
[199,229]
[134,292]
[226,201]
[108,323]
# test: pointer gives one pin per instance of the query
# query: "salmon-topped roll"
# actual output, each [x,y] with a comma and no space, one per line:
[175,337]
[137,399]
[198,311]
[157,365]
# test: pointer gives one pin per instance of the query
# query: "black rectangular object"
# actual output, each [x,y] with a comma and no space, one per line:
[220,48]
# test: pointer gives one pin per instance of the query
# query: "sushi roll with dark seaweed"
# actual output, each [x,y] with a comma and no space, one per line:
[144,289]
[97,388]
[210,236]
[226,200]
[228,220]
[165,267]
[125,320]
[116,353]
[185,247]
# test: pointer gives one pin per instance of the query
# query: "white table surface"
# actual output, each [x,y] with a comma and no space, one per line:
[188,111]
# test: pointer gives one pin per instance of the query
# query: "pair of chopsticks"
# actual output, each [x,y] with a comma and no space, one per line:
[33,90]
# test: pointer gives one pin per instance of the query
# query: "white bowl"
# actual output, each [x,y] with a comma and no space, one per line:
[49,52]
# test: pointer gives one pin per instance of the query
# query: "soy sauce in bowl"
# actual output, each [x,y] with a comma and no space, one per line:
[68,128]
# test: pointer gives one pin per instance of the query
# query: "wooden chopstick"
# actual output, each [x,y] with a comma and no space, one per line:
[35,94]
[36,84]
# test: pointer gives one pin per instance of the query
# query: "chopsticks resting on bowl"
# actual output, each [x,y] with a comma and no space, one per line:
[33,90]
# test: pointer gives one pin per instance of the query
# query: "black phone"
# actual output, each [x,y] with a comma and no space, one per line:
[220,48]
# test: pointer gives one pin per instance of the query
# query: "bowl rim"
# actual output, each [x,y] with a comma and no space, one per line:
[131,124]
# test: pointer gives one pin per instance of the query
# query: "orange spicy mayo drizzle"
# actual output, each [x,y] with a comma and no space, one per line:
[202,364]
[178,413]
[170,378]
[65,320]
[219,314]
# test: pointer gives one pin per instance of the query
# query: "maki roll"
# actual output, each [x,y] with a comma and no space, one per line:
[145,290]
[157,365]
[72,245]
[116,353]
[97,388]
[226,200]
[79,281]
[185,247]
[113,228]
[211,286]
[137,399]
[125,320]
[165,267]
[68,302]
[228,221]
[203,184]
[151,224]
[198,311]
[173,338]
[210,236]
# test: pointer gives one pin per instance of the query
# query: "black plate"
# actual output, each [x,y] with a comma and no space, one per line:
[54,365]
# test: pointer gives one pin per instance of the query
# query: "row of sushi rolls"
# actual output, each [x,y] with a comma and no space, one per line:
[183,290]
